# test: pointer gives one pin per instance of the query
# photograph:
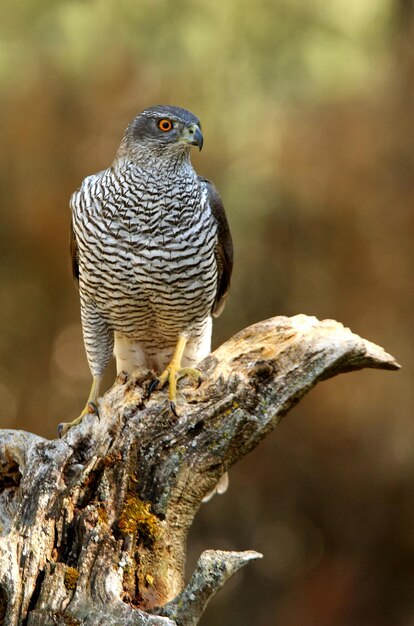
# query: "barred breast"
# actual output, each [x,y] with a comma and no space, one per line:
[147,264]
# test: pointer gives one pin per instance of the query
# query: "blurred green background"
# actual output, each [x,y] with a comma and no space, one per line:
[307,110]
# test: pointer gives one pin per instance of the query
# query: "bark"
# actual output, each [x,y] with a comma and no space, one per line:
[94,525]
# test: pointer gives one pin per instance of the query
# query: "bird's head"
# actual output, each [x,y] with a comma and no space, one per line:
[162,131]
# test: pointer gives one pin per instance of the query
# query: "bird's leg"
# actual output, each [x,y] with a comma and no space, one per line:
[90,407]
[174,372]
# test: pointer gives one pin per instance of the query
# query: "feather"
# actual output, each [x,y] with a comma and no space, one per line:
[224,247]
[74,253]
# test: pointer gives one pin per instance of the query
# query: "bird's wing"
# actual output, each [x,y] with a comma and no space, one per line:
[74,253]
[224,247]
[78,202]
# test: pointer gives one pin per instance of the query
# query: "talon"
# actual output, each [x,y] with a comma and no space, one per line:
[153,386]
[90,408]
[64,427]
[174,372]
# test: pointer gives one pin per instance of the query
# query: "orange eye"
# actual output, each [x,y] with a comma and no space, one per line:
[165,125]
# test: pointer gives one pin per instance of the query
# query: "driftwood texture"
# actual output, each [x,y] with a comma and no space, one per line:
[94,525]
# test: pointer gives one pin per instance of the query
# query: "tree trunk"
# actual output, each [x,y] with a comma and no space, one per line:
[94,525]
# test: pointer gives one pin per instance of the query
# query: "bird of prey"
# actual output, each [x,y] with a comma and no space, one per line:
[152,254]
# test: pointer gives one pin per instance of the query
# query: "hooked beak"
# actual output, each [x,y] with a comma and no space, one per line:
[193,135]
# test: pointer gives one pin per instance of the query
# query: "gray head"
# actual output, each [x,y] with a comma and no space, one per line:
[163,132]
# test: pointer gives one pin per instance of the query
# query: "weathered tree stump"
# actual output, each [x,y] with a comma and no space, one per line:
[94,525]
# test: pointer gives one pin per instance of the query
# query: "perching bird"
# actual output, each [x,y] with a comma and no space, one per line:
[152,253]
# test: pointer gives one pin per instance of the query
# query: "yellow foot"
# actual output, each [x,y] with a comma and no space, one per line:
[90,407]
[174,372]
[170,375]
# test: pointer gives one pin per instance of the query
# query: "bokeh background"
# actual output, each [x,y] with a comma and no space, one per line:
[307,110]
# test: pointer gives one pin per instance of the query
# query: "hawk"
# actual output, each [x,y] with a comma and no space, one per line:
[152,254]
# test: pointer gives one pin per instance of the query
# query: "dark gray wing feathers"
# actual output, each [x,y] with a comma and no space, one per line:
[224,248]
[74,253]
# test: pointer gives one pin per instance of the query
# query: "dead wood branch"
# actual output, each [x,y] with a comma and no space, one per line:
[94,526]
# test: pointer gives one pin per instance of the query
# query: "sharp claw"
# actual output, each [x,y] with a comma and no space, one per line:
[173,408]
[90,409]
[153,386]
[199,381]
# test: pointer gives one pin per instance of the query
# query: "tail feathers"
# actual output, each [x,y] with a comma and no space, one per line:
[220,488]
